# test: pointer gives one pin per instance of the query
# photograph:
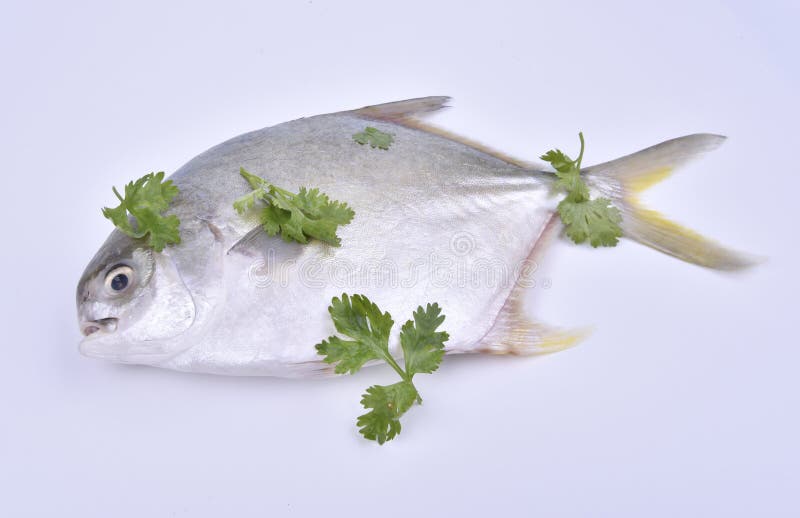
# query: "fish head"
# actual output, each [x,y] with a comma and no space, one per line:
[132,304]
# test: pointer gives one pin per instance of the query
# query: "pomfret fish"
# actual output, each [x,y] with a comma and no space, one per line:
[437,219]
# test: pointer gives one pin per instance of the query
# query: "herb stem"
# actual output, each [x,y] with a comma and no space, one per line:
[279,190]
[399,370]
[580,155]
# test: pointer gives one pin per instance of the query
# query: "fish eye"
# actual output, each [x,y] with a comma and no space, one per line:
[119,278]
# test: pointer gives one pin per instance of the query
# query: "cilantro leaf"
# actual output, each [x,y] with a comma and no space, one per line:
[145,199]
[360,319]
[569,179]
[568,172]
[374,137]
[307,214]
[388,403]
[296,217]
[248,201]
[559,160]
[348,355]
[369,328]
[423,347]
[597,221]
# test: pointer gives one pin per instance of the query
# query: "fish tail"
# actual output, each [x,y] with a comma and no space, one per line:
[624,179]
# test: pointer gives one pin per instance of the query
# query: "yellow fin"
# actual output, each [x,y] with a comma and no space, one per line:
[622,180]
[653,229]
[526,338]
[513,331]
[646,180]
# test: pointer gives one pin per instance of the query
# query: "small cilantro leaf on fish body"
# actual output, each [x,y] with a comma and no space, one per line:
[595,220]
[374,137]
[423,347]
[296,217]
[146,199]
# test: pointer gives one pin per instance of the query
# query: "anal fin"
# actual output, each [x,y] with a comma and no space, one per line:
[513,331]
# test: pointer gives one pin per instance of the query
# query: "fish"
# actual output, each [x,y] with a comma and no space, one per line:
[438,218]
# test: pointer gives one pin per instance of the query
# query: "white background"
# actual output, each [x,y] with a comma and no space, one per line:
[684,400]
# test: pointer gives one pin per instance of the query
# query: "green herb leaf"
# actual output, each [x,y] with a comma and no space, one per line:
[388,403]
[374,137]
[297,217]
[597,221]
[248,201]
[348,355]
[423,347]
[145,200]
[369,328]
[559,160]
[360,319]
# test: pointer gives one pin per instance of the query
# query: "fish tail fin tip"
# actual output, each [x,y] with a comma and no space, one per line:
[653,229]
[624,179]
[645,168]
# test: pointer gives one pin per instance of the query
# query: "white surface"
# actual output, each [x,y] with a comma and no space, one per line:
[683,402]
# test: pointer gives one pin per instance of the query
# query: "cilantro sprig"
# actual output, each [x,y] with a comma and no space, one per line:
[595,220]
[297,217]
[368,328]
[146,199]
[374,137]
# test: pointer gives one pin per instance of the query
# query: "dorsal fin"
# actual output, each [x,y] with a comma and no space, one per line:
[406,113]
[399,111]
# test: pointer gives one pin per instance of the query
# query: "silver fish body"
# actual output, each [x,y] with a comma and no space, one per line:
[436,220]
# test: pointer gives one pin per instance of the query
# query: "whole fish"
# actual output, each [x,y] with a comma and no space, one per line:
[438,218]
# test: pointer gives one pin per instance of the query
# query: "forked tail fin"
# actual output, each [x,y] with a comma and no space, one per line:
[623,179]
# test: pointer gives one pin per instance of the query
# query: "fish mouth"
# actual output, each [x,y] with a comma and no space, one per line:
[106,325]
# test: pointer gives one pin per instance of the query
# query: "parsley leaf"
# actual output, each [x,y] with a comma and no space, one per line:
[374,137]
[297,217]
[597,221]
[145,199]
[423,347]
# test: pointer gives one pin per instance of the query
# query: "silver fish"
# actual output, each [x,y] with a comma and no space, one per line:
[438,219]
